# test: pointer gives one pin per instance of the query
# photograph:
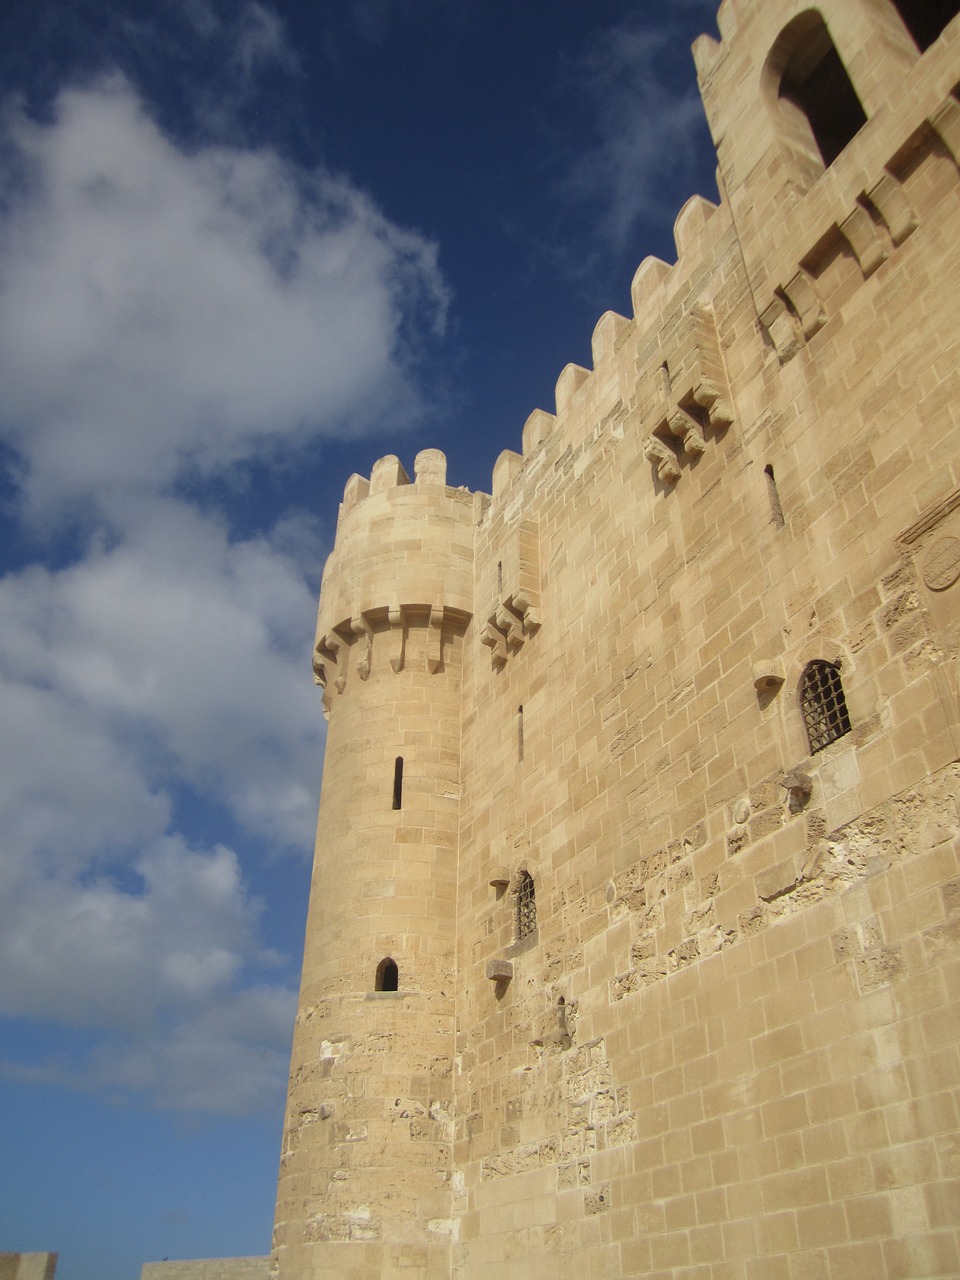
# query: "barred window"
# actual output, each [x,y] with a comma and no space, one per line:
[824,705]
[526,906]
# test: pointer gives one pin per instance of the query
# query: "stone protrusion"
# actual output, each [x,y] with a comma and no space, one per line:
[569,383]
[516,614]
[536,429]
[781,328]
[663,459]
[863,236]
[505,470]
[767,676]
[430,468]
[887,197]
[946,123]
[647,283]
[388,472]
[355,490]
[608,332]
[803,297]
[690,224]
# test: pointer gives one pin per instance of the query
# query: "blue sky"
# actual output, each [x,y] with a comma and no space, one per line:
[245,250]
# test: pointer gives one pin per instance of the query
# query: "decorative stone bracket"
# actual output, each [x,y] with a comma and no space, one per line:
[516,616]
[879,222]
[367,630]
[688,391]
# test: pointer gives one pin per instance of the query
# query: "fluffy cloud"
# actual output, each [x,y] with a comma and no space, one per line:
[174,659]
[169,974]
[175,655]
[165,315]
[644,154]
[164,312]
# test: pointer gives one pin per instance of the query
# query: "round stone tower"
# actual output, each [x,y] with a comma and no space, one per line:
[364,1183]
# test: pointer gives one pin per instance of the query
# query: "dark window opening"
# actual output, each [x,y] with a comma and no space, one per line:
[526,906]
[926,19]
[398,782]
[820,105]
[499,579]
[776,511]
[823,704]
[520,733]
[388,976]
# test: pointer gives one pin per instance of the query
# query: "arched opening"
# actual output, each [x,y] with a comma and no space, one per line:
[818,106]
[388,976]
[926,19]
[526,906]
[824,704]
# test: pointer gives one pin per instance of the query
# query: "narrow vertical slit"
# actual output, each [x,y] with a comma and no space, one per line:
[499,579]
[398,782]
[520,733]
[776,511]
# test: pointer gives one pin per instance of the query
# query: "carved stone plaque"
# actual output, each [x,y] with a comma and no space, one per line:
[941,567]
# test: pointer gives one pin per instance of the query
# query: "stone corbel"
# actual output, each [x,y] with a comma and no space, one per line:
[320,663]
[362,630]
[861,233]
[656,451]
[886,196]
[495,641]
[780,326]
[435,639]
[326,666]
[806,303]
[946,123]
[527,605]
[510,624]
[399,630]
[687,430]
[702,370]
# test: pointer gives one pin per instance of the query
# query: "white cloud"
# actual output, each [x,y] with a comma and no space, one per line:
[174,656]
[163,311]
[158,971]
[643,152]
[165,314]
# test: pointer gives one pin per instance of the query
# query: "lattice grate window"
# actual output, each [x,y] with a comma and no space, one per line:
[824,705]
[526,906]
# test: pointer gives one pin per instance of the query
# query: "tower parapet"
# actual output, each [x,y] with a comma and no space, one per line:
[403,559]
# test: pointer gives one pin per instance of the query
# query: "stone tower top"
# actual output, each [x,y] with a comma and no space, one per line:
[403,556]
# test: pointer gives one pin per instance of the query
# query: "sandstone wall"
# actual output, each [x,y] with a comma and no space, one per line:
[730,1049]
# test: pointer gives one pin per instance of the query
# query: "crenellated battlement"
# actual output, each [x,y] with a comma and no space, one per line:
[402,561]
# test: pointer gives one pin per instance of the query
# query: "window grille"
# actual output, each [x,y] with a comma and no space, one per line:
[526,906]
[824,705]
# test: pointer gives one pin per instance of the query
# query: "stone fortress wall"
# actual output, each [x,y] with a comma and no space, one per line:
[635,925]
